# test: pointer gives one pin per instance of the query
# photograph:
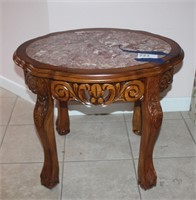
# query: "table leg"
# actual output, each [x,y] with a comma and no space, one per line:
[44,122]
[137,121]
[62,122]
[151,123]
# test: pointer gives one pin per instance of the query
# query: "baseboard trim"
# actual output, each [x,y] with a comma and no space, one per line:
[168,104]
[17,89]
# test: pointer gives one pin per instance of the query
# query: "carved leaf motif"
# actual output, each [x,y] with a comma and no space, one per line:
[36,85]
[155,110]
[165,80]
[96,91]
[113,92]
[82,94]
[40,110]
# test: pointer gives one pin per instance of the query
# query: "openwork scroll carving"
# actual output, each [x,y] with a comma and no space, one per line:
[98,94]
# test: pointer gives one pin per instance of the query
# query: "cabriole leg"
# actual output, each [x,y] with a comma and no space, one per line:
[44,123]
[43,117]
[151,123]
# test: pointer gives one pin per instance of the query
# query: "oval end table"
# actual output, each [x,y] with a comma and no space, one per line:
[99,67]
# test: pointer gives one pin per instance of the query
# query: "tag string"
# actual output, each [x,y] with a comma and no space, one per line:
[161,53]
[155,60]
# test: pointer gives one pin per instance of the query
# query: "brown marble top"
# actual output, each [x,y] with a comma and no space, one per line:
[94,49]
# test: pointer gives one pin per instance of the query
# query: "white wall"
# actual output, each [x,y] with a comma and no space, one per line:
[26,19]
[22,20]
[1,49]
[194,34]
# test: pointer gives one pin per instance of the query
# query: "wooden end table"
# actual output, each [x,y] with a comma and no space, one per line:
[99,67]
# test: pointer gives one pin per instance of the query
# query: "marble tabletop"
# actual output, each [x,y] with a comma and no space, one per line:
[94,49]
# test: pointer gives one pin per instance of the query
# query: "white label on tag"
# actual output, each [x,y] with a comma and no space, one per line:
[146,55]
